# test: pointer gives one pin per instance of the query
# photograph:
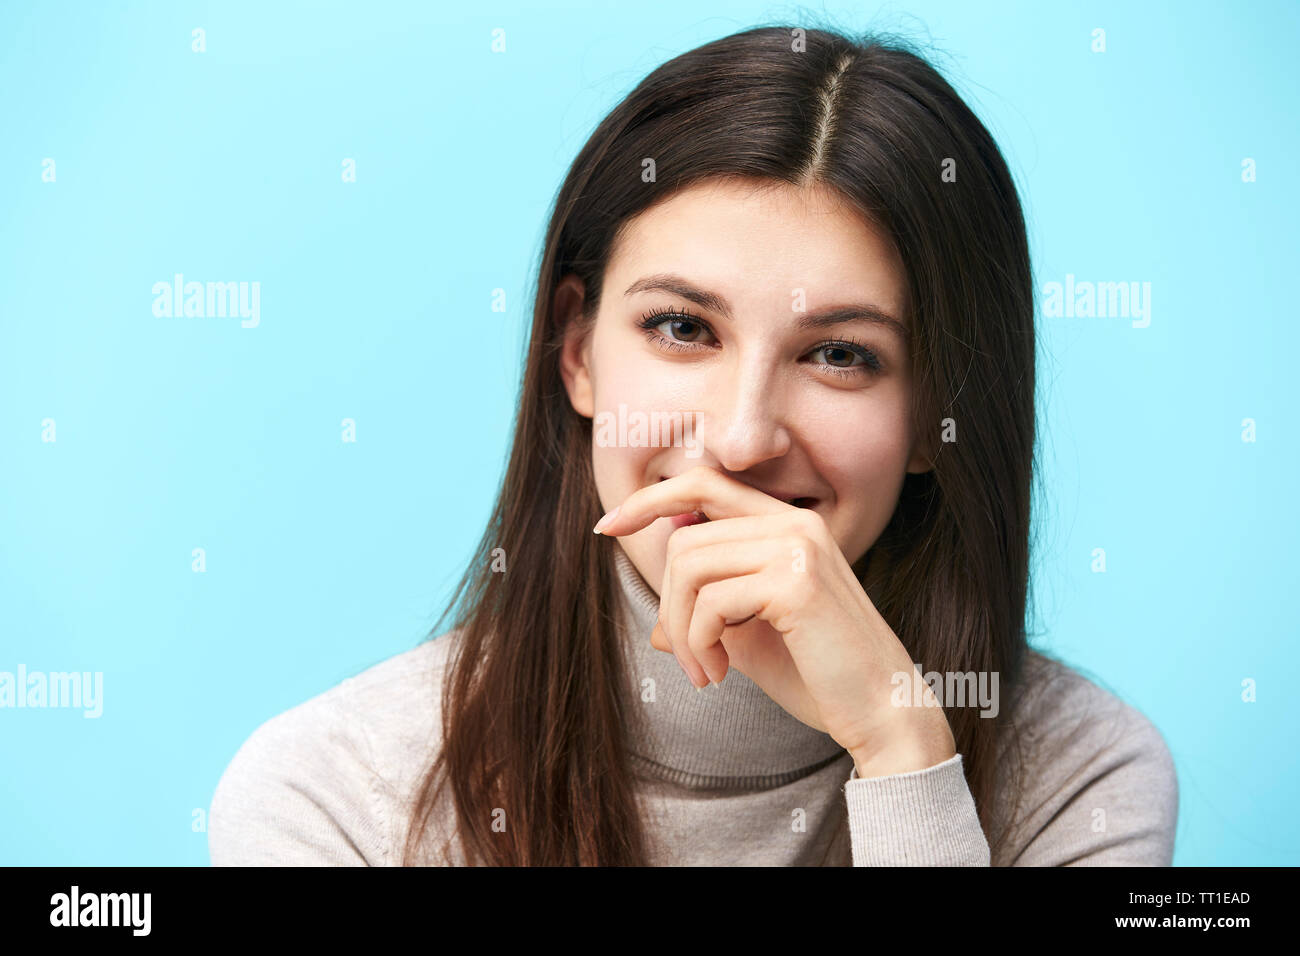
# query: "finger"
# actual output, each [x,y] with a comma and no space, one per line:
[689,665]
[691,569]
[742,527]
[658,641]
[796,521]
[701,489]
[674,613]
[719,602]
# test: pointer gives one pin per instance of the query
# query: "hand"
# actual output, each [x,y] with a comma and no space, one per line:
[763,586]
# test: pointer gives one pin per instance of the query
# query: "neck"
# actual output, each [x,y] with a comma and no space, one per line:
[732,736]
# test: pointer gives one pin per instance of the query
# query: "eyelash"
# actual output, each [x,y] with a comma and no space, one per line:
[651,321]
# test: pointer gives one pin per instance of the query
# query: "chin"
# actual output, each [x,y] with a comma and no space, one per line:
[648,551]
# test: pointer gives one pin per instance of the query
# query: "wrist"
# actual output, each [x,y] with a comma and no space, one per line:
[905,753]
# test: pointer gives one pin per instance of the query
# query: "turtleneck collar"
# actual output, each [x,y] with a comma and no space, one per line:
[732,736]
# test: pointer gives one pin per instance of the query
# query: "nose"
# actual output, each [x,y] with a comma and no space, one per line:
[744,421]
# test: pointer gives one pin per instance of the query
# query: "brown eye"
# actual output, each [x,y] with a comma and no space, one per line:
[692,329]
[841,358]
[675,331]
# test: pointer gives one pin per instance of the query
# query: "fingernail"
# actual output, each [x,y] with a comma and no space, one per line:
[605,520]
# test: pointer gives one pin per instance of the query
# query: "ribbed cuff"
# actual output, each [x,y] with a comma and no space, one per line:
[922,818]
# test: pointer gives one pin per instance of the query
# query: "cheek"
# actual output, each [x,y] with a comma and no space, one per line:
[626,374]
[865,464]
[624,377]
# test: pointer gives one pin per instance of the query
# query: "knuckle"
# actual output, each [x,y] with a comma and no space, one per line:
[809,521]
[674,546]
[680,540]
[684,561]
[676,561]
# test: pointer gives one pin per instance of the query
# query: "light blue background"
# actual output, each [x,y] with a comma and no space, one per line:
[324,557]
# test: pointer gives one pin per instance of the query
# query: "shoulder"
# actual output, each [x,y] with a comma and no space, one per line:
[322,783]
[1088,779]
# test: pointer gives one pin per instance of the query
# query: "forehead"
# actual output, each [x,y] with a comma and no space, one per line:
[757,242]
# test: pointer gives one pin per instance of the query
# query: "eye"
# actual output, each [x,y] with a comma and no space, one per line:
[840,355]
[685,329]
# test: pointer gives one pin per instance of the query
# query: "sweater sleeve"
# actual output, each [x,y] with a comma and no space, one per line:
[301,791]
[923,818]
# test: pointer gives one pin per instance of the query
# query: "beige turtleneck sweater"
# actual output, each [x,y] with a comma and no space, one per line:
[726,775]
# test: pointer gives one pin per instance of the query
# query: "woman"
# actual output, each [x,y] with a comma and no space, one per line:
[806,255]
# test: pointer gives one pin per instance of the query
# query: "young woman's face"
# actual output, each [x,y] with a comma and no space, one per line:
[730,276]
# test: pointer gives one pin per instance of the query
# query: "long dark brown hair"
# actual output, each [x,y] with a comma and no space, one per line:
[532,715]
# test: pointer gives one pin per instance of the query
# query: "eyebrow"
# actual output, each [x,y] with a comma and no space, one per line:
[816,319]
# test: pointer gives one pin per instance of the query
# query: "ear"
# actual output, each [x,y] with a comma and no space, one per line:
[575,355]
